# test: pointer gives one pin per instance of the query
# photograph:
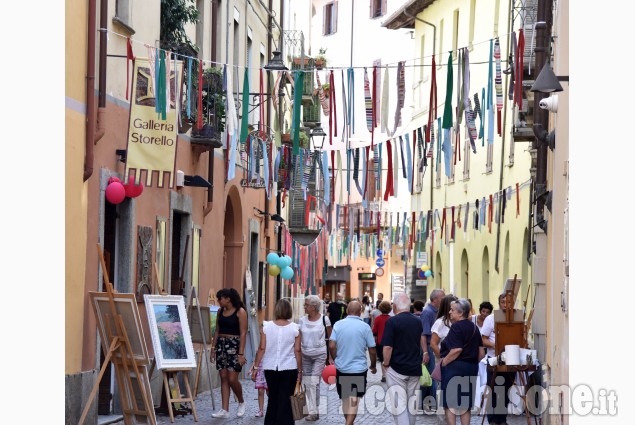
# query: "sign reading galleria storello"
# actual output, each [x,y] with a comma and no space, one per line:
[152,141]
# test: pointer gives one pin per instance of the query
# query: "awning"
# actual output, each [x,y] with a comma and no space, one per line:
[338,274]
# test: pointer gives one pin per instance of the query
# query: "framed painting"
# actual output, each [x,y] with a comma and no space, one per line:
[213,312]
[126,308]
[196,327]
[170,331]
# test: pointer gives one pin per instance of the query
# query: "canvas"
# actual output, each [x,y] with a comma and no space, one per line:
[126,306]
[170,332]
[213,312]
[195,324]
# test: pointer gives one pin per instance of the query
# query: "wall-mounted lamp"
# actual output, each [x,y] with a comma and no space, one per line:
[276,63]
[546,198]
[547,82]
[122,154]
[274,217]
[543,137]
[196,181]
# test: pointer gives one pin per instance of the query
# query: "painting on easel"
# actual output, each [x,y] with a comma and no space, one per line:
[126,306]
[213,312]
[171,338]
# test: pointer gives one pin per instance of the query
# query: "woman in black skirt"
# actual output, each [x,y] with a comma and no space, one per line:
[461,351]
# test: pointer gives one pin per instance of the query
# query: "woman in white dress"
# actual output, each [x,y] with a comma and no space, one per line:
[441,326]
[367,308]
[315,329]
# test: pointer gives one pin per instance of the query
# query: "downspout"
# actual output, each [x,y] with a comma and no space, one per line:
[92,122]
[210,158]
[434,49]
[434,36]
[502,166]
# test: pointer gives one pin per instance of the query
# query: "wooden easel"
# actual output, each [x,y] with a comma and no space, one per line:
[510,332]
[173,373]
[127,368]
[203,353]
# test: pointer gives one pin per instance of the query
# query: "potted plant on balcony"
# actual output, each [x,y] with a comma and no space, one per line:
[213,114]
[320,59]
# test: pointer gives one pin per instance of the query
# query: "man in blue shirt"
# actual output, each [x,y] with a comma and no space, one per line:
[428,317]
[350,339]
[402,358]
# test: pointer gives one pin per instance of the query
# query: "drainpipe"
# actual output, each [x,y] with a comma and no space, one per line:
[543,25]
[434,36]
[92,122]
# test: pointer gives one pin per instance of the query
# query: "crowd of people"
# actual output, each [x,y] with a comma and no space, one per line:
[404,335]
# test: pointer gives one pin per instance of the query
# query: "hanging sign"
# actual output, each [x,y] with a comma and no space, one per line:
[380,262]
[152,137]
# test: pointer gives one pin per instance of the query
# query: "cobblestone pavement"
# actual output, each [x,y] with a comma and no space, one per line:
[371,411]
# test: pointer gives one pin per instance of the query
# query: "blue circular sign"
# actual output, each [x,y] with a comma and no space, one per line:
[380,262]
[380,253]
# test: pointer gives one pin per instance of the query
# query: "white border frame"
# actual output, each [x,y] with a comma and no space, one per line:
[162,363]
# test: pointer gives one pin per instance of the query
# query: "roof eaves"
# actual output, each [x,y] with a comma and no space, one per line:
[399,19]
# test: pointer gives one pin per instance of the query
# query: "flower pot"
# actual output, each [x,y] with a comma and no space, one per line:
[319,63]
[286,138]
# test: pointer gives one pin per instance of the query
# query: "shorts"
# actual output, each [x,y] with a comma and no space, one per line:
[261,382]
[351,384]
[227,353]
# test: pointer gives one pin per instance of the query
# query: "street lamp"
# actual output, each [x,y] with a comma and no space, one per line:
[318,132]
[276,63]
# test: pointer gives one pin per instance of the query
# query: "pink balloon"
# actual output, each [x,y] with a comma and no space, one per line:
[115,193]
[133,190]
[113,179]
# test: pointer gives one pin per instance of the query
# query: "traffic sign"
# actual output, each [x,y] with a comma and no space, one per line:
[380,262]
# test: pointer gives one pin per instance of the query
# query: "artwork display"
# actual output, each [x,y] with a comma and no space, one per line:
[126,306]
[195,324]
[213,312]
[170,332]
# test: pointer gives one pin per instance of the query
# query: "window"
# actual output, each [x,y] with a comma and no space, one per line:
[377,8]
[467,150]
[454,160]
[455,32]
[470,36]
[511,151]
[438,166]
[490,158]
[330,19]
[122,14]
[440,52]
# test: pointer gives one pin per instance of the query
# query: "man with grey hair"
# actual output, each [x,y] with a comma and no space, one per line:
[350,339]
[428,317]
[402,359]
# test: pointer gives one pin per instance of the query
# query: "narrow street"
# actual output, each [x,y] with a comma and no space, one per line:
[373,412]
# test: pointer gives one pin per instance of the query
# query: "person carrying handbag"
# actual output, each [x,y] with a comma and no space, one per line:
[461,351]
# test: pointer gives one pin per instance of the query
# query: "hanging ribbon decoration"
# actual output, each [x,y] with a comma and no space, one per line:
[447,118]
[297,105]
[161,92]
[469,115]
[332,110]
[374,103]
[401,92]
[389,178]
[432,110]
[129,57]
[498,83]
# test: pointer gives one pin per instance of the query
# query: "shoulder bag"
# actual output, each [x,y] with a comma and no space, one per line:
[298,402]
[436,373]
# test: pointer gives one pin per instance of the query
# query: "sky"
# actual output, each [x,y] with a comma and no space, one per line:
[601,225]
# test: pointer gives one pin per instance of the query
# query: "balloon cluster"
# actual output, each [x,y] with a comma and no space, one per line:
[116,191]
[426,270]
[280,265]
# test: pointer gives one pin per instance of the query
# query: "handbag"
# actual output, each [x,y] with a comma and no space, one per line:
[425,380]
[298,402]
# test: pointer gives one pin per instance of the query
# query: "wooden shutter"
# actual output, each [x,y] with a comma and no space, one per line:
[384,7]
[334,18]
[324,22]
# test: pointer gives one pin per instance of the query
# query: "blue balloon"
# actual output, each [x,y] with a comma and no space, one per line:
[281,262]
[428,273]
[287,273]
[289,260]
[272,258]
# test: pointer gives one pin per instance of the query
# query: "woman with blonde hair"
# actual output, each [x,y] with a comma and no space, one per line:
[315,329]
[279,350]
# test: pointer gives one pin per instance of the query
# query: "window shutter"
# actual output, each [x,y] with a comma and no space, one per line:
[384,7]
[371,6]
[324,24]
[334,29]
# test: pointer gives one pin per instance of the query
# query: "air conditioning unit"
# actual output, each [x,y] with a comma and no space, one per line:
[180,179]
